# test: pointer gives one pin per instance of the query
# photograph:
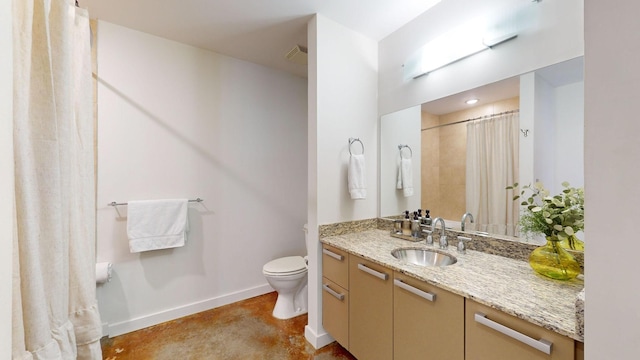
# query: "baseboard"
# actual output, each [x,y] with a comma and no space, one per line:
[317,340]
[142,322]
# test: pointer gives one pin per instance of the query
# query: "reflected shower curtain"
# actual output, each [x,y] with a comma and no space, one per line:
[55,314]
[492,165]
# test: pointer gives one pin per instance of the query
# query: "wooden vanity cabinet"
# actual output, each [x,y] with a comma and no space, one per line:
[428,322]
[491,334]
[579,350]
[335,294]
[371,310]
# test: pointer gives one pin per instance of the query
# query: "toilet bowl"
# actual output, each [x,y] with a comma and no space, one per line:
[288,277]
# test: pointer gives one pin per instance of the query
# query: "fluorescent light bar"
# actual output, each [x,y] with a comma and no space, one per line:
[467,40]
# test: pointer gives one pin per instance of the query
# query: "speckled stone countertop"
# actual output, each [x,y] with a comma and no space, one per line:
[505,284]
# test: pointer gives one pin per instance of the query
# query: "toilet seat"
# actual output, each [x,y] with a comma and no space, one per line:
[289,265]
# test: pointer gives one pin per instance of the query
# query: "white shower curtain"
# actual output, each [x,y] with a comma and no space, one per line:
[492,165]
[55,314]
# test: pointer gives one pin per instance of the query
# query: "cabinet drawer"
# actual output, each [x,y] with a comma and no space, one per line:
[335,265]
[335,311]
[426,320]
[492,334]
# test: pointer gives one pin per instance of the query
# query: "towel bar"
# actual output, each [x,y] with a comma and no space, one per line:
[113,203]
[401,146]
[351,141]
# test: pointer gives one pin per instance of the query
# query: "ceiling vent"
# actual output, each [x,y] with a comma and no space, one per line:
[297,55]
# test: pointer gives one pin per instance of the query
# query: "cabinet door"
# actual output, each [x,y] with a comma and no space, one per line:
[335,311]
[428,322]
[370,310]
[491,334]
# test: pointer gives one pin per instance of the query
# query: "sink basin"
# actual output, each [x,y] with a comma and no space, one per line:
[424,257]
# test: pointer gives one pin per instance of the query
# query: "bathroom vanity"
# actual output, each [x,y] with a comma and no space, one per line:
[481,307]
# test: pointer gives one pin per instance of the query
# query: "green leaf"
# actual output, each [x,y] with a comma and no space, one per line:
[569,230]
[516,197]
[536,209]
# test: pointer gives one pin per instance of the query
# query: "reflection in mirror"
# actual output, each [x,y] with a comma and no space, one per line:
[466,162]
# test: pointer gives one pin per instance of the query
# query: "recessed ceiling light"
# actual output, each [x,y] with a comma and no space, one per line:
[471,101]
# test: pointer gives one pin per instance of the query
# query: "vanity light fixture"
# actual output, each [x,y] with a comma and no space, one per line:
[467,40]
[471,101]
[453,46]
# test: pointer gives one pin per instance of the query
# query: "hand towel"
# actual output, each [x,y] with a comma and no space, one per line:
[405,177]
[357,177]
[157,224]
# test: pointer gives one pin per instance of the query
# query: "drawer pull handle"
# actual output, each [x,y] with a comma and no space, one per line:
[332,292]
[332,254]
[413,290]
[379,275]
[542,344]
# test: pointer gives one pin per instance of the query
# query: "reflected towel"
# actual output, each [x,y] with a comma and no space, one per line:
[157,224]
[357,177]
[405,177]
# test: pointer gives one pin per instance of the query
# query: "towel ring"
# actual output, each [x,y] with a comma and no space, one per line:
[351,141]
[400,147]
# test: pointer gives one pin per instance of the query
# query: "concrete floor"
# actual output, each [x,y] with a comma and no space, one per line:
[243,330]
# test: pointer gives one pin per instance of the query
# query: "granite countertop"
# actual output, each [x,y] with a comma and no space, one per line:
[505,284]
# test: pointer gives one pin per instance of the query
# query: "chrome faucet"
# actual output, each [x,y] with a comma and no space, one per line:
[443,237]
[464,218]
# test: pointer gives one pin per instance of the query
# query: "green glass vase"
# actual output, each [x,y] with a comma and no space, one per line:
[572,243]
[552,260]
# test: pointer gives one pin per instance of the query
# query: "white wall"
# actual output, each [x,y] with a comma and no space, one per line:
[569,130]
[342,104]
[553,150]
[400,127]
[6,180]
[557,37]
[543,133]
[612,175]
[180,122]
[527,122]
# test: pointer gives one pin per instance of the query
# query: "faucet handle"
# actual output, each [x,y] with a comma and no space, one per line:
[461,244]
[444,243]
[429,237]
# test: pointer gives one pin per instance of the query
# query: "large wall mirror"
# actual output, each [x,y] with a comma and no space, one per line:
[527,128]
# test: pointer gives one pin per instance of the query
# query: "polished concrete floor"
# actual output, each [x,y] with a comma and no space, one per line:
[243,330]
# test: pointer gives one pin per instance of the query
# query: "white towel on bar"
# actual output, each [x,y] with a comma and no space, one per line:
[157,224]
[357,177]
[405,177]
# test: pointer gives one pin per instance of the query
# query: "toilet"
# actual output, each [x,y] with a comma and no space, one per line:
[288,277]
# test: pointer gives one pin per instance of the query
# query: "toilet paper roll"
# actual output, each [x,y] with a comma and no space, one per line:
[103,272]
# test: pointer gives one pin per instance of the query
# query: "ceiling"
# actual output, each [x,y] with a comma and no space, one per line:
[259,31]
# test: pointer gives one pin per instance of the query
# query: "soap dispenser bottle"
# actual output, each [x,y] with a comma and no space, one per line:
[426,219]
[415,225]
[406,224]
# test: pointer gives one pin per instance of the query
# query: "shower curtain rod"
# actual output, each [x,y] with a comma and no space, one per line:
[485,117]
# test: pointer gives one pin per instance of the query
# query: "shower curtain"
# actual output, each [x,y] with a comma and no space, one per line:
[55,314]
[492,165]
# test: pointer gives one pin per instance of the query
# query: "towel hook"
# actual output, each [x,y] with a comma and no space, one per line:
[401,146]
[351,141]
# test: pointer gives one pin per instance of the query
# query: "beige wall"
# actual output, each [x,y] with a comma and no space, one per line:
[444,157]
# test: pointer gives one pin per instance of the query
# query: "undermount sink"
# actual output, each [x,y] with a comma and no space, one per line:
[424,257]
